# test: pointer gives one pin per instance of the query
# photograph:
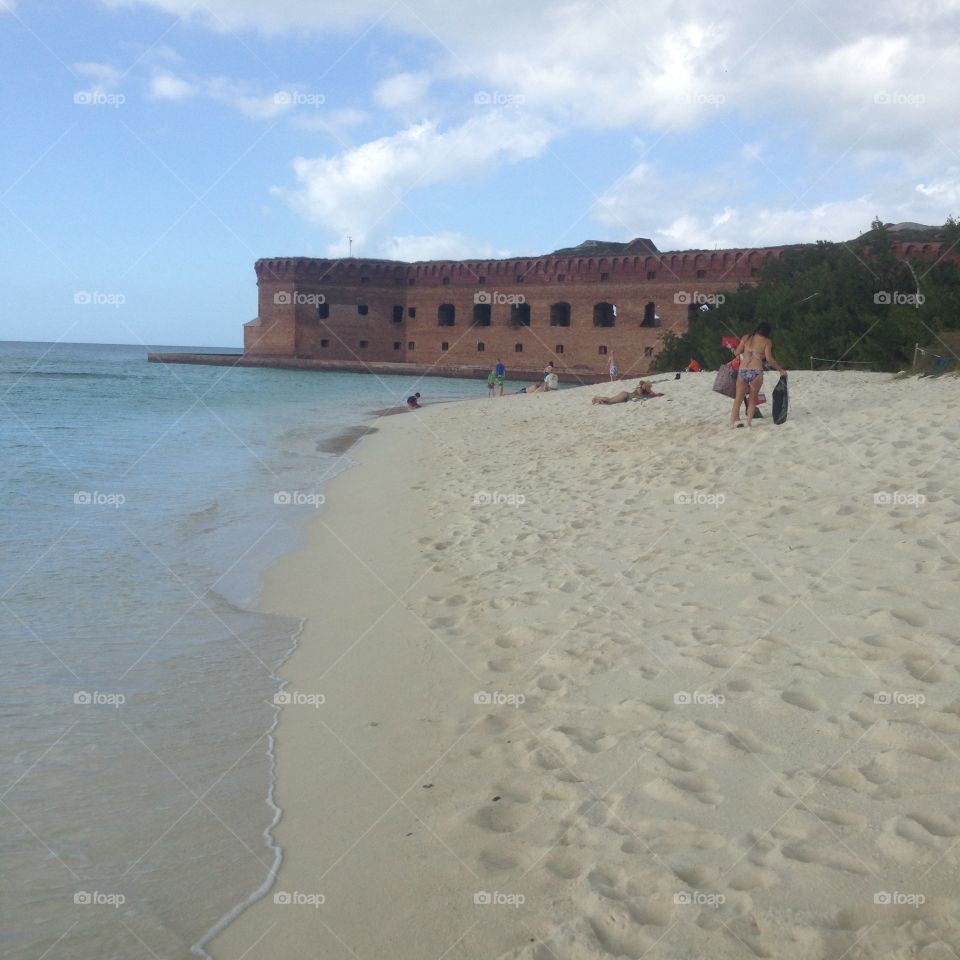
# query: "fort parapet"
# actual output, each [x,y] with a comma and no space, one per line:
[573,310]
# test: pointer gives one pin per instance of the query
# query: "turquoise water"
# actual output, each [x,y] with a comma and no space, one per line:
[141,504]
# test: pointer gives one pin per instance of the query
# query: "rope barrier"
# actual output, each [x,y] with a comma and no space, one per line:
[865,363]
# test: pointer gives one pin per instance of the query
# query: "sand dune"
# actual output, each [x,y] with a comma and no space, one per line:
[620,682]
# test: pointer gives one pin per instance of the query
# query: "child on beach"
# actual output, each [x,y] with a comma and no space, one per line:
[491,380]
[500,372]
[413,402]
[613,369]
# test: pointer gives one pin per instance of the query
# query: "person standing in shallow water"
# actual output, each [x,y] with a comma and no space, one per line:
[753,350]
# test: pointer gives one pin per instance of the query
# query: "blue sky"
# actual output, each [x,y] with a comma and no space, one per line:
[155,148]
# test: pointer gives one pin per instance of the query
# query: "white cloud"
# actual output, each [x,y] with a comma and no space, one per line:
[401,90]
[356,192]
[680,213]
[869,83]
[166,86]
[438,246]
[944,191]
[103,74]
[662,65]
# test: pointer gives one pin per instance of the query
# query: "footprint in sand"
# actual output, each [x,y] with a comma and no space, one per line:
[831,857]
[803,699]
[925,670]
[505,665]
[505,816]
[565,863]
[915,618]
[592,741]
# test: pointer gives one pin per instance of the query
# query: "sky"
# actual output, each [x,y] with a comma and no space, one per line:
[154,149]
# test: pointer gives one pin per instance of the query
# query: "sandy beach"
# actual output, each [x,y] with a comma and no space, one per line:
[582,682]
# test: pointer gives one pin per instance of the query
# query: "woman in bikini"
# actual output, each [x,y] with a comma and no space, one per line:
[642,391]
[753,350]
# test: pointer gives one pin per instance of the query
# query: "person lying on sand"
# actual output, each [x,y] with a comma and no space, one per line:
[642,391]
[533,388]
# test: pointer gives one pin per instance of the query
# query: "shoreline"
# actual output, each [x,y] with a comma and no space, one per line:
[452,371]
[506,610]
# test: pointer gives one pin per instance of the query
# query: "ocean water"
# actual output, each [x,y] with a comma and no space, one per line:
[141,504]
